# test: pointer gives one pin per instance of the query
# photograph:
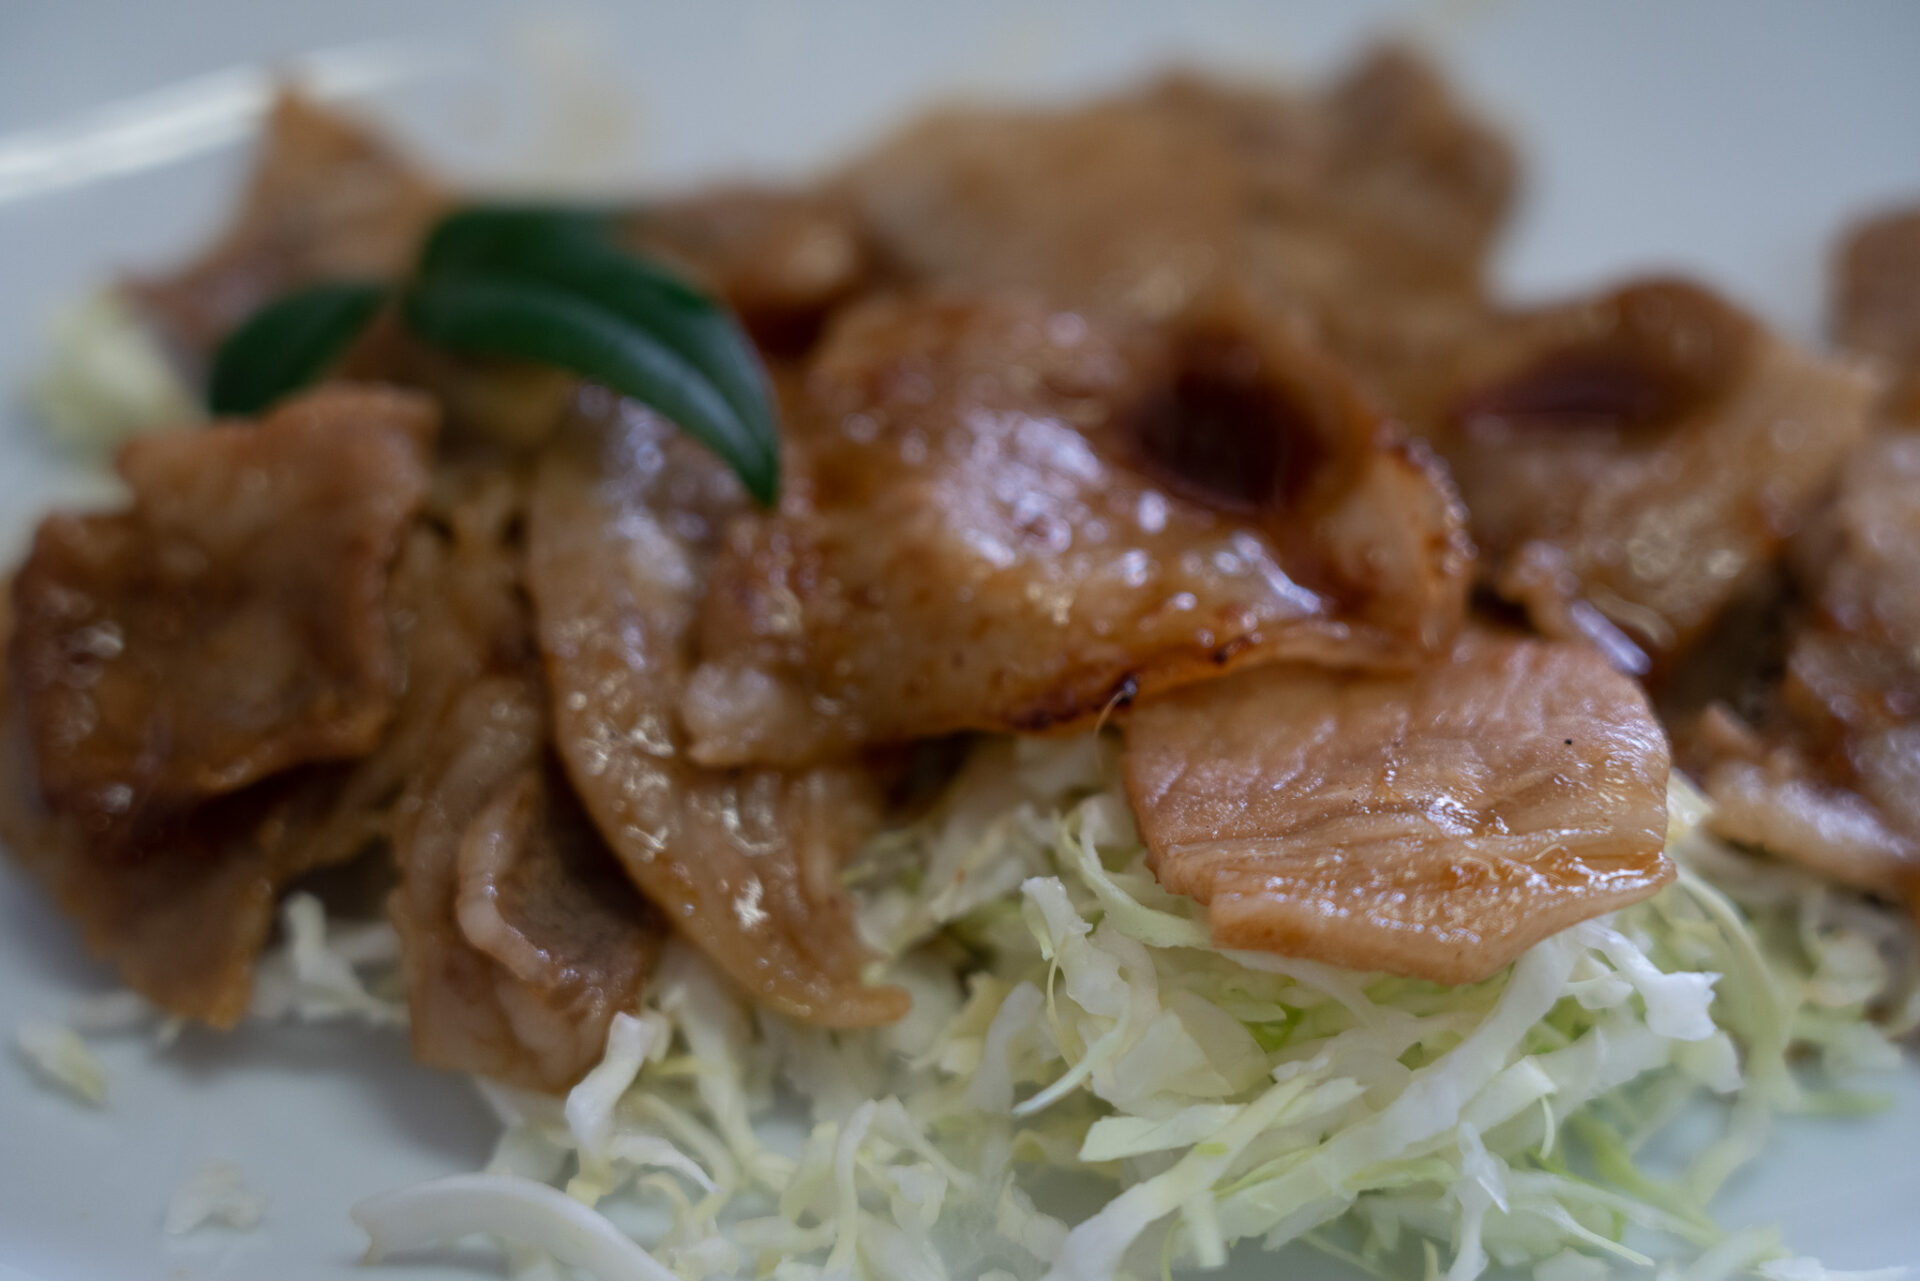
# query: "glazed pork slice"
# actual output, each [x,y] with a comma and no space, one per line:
[1876,303]
[1363,213]
[231,623]
[329,199]
[521,936]
[1831,775]
[203,658]
[184,917]
[745,864]
[999,516]
[1432,825]
[1632,464]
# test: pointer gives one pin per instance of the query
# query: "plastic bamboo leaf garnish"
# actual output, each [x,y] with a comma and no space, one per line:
[289,343]
[540,284]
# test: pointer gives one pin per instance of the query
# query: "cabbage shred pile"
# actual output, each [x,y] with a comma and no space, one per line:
[1087,1089]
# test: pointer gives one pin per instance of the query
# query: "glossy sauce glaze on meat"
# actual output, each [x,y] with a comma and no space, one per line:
[1159,410]
[745,863]
[1000,516]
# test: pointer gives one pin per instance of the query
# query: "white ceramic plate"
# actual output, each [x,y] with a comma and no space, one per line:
[1729,139]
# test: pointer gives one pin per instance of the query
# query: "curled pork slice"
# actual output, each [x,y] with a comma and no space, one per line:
[999,516]
[1636,461]
[744,863]
[1432,825]
[328,200]
[1876,303]
[181,903]
[521,937]
[1364,212]
[1831,775]
[232,622]
[184,920]
[457,613]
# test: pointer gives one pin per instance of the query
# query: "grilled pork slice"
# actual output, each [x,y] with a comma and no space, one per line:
[232,622]
[184,916]
[1831,775]
[744,863]
[190,675]
[999,516]
[520,934]
[1636,461]
[1432,825]
[1876,304]
[329,199]
[1363,214]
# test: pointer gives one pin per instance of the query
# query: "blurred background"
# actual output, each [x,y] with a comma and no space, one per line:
[1731,135]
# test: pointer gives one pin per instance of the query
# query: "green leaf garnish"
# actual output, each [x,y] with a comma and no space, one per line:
[288,344]
[546,284]
[482,236]
[571,249]
[496,314]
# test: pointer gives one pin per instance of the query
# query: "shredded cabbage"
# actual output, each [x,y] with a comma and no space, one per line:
[216,1193]
[1087,1089]
[314,974]
[107,378]
[1105,1095]
[59,1057]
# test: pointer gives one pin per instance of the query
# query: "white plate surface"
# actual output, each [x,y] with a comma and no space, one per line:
[1727,138]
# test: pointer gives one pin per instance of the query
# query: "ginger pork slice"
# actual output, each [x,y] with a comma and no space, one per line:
[743,863]
[200,685]
[329,199]
[1829,776]
[521,937]
[1432,825]
[1000,516]
[1876,303]
[1633,463]
[1364,211]
[231,623]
